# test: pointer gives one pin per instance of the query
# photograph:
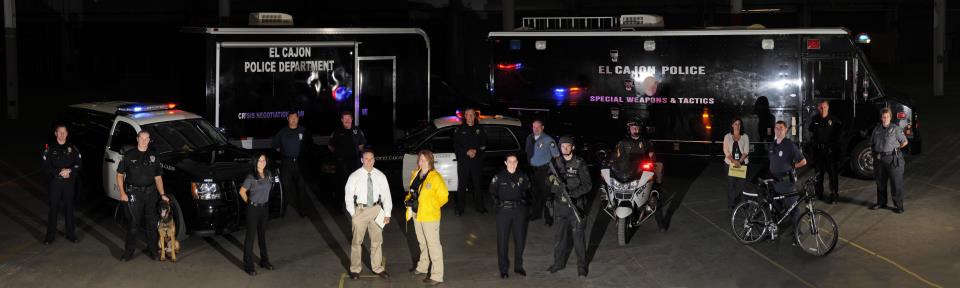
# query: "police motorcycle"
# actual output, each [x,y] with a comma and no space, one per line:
[629,195]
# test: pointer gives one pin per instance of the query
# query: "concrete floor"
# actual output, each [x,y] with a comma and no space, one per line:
[877,248]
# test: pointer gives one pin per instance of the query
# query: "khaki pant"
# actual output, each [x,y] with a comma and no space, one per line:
[364,222]
[431,253]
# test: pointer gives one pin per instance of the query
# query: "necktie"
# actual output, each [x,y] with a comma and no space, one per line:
[369,190]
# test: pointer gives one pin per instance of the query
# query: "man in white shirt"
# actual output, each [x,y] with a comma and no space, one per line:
[367,197]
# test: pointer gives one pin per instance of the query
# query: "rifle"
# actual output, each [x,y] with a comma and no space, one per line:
[564,193]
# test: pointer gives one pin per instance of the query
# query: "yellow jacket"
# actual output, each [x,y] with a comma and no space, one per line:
[433,195]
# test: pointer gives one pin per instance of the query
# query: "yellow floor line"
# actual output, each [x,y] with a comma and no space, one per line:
[895,264]
[774,263]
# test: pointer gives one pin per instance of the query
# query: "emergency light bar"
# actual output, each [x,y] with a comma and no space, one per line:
[142,107]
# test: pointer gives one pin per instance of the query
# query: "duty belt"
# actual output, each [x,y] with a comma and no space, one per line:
[887,153]
[140,187]
[257,204]
[510,203]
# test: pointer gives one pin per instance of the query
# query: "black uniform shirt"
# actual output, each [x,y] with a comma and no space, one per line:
[139,168]
[346,142]
[510,186]
[633,148]
[468,137]
[783,156]
[825,130]
[56,157]
[290,141]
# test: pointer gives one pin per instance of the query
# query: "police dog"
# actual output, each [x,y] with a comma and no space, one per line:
[167,229]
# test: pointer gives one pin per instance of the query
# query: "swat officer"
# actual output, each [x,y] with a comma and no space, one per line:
[569,184]
[540,148]
[887,139]
[510,191]
[292,141]
[139,179]
[61,164]
[825,129]
[469,141]
[346,143]
[785,157]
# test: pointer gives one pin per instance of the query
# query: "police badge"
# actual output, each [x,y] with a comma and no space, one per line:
[300,136]
[153,158]
[829,122]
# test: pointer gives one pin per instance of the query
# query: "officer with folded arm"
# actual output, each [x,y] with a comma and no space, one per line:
[61,164]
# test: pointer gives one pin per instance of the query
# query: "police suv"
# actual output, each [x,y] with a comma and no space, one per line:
[504,135]
[202,171]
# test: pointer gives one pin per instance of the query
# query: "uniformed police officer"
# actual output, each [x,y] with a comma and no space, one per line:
[785,158]
[509,189]
[540,148]
[575,179]
[469,141]
[826,129]
[139,179]
[61,165]
[636,147]
[292,141]
[886,141]
[346,142]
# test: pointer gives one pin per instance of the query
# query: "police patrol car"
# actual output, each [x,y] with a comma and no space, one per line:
[504,135]
[202,171]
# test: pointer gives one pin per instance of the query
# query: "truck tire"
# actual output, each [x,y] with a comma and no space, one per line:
[178,218]
[861,160]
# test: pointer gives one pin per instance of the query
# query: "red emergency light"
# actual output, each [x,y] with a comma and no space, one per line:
[510,66]
[813,44]
[647,166]
[901,115]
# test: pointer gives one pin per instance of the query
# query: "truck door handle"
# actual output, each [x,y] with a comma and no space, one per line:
[109,160]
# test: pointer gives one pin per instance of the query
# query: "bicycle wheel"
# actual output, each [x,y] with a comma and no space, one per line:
[749,222]
[817,233]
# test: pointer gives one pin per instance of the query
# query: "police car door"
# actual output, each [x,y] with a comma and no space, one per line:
[445,162]
[123,136]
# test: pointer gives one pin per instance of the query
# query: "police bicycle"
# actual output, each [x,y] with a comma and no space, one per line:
[759,216]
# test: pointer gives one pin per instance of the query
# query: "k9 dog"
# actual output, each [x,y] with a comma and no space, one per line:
[167,229]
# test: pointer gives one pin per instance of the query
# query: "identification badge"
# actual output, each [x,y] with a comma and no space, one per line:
[779,153]
[300,136]
[830,122]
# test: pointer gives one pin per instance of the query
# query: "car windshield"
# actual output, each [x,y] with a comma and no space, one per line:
[417,136]
[184,135]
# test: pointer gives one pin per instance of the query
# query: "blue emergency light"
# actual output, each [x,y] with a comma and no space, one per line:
[863,38]
[143,107]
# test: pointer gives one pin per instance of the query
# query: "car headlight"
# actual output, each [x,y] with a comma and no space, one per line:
[206,190]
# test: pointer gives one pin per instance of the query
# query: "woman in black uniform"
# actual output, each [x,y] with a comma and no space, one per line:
[257,184]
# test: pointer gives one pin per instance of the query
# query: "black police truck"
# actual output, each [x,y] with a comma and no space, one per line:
[687,85]
[202,172]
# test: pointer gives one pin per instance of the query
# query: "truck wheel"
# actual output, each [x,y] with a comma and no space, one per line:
[178,218]
[861,160]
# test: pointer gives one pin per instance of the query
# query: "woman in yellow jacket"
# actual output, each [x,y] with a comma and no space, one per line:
[427,194]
